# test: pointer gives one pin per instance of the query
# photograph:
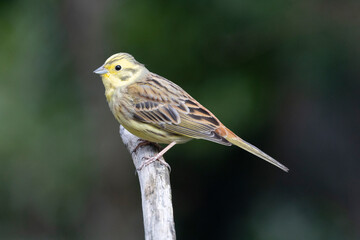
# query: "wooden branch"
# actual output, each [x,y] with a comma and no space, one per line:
[155,190]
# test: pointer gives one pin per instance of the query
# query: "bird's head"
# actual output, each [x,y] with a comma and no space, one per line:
[120,69]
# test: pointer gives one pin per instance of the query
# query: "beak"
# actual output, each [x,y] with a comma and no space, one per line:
[101,70]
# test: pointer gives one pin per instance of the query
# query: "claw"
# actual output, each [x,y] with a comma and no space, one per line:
[151,160]
[157,158]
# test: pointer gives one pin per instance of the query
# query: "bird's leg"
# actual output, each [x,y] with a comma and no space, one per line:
[144,143]
[157,158]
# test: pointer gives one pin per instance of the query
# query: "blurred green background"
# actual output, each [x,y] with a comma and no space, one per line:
[283,75]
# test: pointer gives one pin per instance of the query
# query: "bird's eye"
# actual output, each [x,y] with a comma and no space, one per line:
[117,67]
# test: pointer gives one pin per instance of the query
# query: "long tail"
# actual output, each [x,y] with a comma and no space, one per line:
[231,137]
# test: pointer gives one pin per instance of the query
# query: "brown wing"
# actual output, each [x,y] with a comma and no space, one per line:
[159,102]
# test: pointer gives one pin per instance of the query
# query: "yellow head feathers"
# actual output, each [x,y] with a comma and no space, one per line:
[123,65]
[119,70]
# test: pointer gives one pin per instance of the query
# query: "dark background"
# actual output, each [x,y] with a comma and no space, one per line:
[284,75]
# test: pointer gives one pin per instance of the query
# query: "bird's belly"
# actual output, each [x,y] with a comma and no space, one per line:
[150,133]
[157,135]
[147,131]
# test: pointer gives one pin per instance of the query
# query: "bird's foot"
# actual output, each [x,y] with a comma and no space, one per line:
[144,143]
[150,160]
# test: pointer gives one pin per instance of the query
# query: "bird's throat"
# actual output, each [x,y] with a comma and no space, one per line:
[110,86]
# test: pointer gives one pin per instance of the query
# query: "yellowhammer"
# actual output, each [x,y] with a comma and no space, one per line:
[157,110]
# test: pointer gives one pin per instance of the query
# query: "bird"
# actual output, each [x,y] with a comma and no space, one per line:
[157,110]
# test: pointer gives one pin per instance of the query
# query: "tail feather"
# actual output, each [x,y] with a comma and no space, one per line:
[252,149]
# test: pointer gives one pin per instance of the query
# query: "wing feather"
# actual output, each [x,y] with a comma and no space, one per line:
[165,105]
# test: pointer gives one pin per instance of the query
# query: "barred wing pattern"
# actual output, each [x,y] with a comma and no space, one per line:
[165,105]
